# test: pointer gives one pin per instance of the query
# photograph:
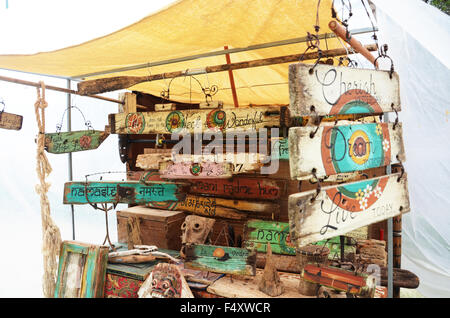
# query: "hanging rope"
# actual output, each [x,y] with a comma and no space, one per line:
[51,236]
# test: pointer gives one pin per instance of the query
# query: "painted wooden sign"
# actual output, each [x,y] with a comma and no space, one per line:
[65,142]
[240,187]
[343,148]
[280,148]
[336,210]
[187,121]
[81,270]
[187,170]
[122,192]
[217,207]
[336,90]
[221,259]
[10,121]
[334,245]
[340,279]
[259,233]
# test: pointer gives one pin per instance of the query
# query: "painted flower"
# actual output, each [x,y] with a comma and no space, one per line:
[363,203]
[359,195]
[85,141]
[379,130]
[377,192]
[386,145]
[367,191]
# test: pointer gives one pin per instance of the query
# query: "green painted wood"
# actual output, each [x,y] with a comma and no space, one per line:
[221,259]
[280,149]
[130,192]
[258,233]
[92,269]
[65,142]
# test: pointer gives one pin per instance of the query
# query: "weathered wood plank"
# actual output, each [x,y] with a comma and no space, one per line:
[343,280]
[332,90]
[65,142]
[258,233]
[122,192]
[186,121]
[240,187]
[10,121]
[341,149]
[187,170]
[217,207]
[220,259]
[336,210]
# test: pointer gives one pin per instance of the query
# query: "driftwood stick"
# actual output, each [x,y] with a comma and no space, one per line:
[109,84]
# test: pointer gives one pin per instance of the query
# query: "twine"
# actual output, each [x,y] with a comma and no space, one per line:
[51,236]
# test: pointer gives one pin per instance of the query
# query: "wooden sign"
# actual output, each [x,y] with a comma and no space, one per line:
[336,90]
[240,187]
[258,234]
[64,142]
[122,192]
[187,170]
[336,210]
[340,149]
[186,121]
[217,207]
[280,148]
[81,270]
[10,121]
[220,259]
[340,279]
[334,244]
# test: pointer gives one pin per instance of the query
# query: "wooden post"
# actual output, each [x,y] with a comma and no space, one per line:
[230,75]
[397,248]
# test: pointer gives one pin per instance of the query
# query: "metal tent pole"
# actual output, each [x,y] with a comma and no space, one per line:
[390,237]
[69,155]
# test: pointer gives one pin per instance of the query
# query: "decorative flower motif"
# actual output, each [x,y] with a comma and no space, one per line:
[379,130]
[377,192]
[85,141]
[363,203]
[359,195]
[386,145]
[367,191]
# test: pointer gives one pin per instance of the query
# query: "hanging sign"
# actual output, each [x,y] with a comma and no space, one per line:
[331,150]
[122,192]
[259,233]
[65,142]
[10,121]
[187,121]
[336,210]
[220,259]
[336,90]
[187,170]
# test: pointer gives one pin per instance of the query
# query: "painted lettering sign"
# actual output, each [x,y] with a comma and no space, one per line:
[10,121]
[240,187]
[187,121]
[122,192]
[258,233]
[333,90]
[186,170]
[336,210]
[220,259]
[280,149]
[65,142]
[217,207]
[339,149]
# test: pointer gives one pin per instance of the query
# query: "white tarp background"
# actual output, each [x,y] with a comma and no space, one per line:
[418,36]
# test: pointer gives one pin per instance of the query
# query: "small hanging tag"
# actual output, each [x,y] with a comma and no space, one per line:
[10,121]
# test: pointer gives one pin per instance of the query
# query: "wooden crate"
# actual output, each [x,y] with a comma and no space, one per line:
[157,227]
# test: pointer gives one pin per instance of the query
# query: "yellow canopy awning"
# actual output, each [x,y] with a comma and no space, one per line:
[190,27]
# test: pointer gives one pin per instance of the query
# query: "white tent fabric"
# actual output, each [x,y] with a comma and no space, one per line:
[418,36]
